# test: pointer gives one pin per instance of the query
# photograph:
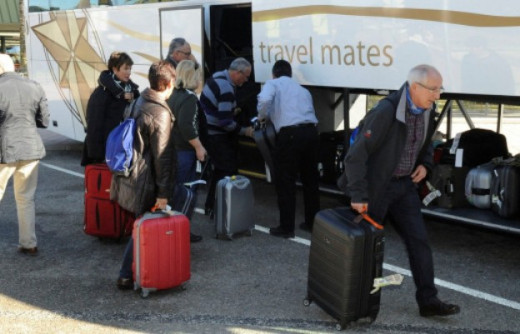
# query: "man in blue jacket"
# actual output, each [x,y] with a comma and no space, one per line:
[390,155]
[23,108]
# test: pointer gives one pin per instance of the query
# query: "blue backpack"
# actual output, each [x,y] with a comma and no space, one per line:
[120,144]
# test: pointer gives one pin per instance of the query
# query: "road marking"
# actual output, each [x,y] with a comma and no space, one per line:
[439,282]
[452,286]
[63,170]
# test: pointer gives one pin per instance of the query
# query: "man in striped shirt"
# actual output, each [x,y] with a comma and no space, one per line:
[218,99]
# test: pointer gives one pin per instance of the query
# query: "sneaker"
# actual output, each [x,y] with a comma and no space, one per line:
[125,283]
[438,308]
[279,232]
[33,251]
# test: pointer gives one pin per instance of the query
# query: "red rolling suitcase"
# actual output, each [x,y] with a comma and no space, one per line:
[346,255]
[103,217]
[161,251]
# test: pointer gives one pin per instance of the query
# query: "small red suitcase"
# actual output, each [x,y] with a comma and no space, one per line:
[103,217]
[161,251]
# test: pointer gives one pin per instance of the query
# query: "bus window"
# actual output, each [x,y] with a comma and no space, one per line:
[48,5]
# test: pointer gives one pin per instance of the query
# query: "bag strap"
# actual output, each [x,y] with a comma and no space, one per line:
[130,109]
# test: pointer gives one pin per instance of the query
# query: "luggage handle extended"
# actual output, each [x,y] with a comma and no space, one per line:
[366,217]
[238,181]
[155,210]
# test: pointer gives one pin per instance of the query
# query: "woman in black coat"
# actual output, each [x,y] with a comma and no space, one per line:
[107,104]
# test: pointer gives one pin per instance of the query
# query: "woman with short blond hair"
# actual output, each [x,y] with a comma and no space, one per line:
[185,106]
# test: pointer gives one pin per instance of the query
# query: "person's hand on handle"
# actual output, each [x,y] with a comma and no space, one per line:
[359,207]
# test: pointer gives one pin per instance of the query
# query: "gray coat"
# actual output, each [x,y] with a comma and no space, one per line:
[23,108]
[154,157]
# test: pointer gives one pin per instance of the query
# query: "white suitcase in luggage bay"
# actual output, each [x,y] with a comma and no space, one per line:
[234,209]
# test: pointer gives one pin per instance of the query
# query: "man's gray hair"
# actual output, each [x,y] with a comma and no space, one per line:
[6,63]
[420,73]
[175,44]
[239,64]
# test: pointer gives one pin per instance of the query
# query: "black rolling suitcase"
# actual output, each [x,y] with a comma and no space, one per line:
[346,254]
[265,139]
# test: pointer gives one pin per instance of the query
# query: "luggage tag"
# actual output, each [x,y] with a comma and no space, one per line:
[395,279]
[433,194]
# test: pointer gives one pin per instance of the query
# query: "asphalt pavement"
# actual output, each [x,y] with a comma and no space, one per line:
[253,284]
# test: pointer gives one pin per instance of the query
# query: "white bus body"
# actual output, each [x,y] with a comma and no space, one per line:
[367,44]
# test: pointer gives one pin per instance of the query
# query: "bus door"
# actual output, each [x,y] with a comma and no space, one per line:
[230,37]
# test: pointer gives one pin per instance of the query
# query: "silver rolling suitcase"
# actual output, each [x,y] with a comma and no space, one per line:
[234,206]
[478,185]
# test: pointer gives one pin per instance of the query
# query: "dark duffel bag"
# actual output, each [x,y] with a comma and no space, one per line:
[479,146]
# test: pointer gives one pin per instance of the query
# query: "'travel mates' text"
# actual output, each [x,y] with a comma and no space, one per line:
[350,54]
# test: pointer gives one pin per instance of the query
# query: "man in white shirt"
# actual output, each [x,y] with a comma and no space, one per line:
[290,108]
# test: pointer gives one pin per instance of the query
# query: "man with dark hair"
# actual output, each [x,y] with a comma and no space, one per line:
[290,108]
[218,100]
[152,179]
[390,155]
[23,108]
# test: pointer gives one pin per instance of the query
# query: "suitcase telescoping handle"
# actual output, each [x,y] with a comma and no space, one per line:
[238,181]
[371,221]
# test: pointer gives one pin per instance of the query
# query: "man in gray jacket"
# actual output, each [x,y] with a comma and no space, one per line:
[23,108]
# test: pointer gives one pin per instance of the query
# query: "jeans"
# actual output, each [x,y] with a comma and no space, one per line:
[184,198]
[128,257]
[24,184]
[401,204]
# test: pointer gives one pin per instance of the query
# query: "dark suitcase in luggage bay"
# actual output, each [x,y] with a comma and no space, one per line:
[479,146]
[505,191]
[346,254]
[333,146]
[103,218]
[161,251]
[451,182]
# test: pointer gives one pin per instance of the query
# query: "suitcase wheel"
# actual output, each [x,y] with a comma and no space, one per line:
[144,293]
[339,327]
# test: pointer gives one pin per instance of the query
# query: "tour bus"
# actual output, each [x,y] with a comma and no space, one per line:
[348,53]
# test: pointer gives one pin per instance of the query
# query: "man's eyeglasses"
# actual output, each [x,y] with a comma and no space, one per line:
[245,76]
[187,54]
[439,90]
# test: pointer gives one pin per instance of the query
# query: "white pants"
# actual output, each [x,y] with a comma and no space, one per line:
[25,181]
